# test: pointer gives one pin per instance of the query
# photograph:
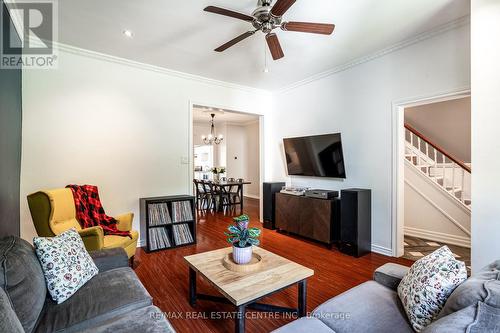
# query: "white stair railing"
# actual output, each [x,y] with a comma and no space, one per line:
[445,170]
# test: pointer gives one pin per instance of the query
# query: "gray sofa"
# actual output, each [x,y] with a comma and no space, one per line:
[374,306]
[112,301]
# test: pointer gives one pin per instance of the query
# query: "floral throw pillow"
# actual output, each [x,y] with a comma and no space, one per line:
[428,284]
[65,262]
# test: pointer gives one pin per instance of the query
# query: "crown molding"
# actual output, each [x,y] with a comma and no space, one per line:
[452,25]
[152,68]
[242,123]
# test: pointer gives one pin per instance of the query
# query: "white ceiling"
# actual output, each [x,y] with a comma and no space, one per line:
[202,115]
[179,35]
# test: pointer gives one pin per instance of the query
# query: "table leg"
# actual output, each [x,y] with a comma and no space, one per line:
[192,286]
[239,324]
[302,310]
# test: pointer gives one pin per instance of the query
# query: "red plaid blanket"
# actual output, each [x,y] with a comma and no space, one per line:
[89,211]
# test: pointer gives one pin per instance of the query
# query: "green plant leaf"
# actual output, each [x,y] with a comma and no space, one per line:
[254,232]
[243,217]
[242,243]
[244,234]
[234,229]
[253,241]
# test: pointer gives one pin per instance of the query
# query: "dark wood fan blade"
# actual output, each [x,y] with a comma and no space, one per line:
[227,12]
[234,41]
[281,7]
[274,46]
[313,28]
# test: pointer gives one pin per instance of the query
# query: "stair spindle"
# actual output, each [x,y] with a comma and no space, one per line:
[444,171]
[453,178]
[463,187]
[416,151]
[419,152]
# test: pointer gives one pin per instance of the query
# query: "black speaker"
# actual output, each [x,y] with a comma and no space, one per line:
[355,222]
[269,203]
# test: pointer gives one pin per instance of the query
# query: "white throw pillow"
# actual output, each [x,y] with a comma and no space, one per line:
[428,284]
[65,262]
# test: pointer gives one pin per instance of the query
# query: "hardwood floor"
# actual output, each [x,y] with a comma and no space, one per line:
[165,275]
[416,248]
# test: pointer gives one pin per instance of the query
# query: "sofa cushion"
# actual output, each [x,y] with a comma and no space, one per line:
[455,322]
[145,320]
[306,324]
[8,319]
[369,307]
[390,275]
[65,262]
[476,318]
[108,294]
[487,319]
[21,278]
[473,290]
[108,259]
[428,284]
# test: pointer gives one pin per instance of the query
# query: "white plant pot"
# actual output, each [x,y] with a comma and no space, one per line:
[242,255]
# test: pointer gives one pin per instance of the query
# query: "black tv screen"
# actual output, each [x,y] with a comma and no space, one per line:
[316,156]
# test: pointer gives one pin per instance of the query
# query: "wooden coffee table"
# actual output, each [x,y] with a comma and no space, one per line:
[244,289]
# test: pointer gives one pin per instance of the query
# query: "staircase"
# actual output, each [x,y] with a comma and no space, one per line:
[447,172]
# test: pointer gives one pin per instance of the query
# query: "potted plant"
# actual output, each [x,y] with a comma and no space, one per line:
[242,238]
[217,171]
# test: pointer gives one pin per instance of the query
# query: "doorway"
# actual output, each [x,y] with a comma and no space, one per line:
[228,140]
[431,176]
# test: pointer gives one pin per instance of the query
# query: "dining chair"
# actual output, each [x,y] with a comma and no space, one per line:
[212,195]
[201,194]
[225,197]
[231,196]
[236,194]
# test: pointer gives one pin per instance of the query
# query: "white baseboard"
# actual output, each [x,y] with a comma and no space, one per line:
[251,196]
[382,250]
[437,236]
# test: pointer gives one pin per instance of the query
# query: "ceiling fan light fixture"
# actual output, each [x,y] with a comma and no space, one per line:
[266,18]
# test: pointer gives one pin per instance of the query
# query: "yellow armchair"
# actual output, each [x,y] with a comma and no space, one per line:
[53,212]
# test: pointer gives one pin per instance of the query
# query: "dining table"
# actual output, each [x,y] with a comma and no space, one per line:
[224,186]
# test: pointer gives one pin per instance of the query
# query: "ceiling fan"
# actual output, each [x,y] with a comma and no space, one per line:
[266,18]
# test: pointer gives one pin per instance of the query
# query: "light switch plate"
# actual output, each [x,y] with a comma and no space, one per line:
[184,160]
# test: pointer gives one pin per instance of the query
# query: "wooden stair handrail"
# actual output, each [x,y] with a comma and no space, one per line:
[438,148]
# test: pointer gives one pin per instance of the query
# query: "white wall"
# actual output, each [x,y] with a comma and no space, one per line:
[446,124]
[243,156]
[253,159]
[485,28]
[236,155]
[119,125]
[358,103]
[431,213]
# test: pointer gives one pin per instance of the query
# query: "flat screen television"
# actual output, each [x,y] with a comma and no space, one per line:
[315,156]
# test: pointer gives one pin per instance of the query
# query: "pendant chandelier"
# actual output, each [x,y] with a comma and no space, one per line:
[212,138]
